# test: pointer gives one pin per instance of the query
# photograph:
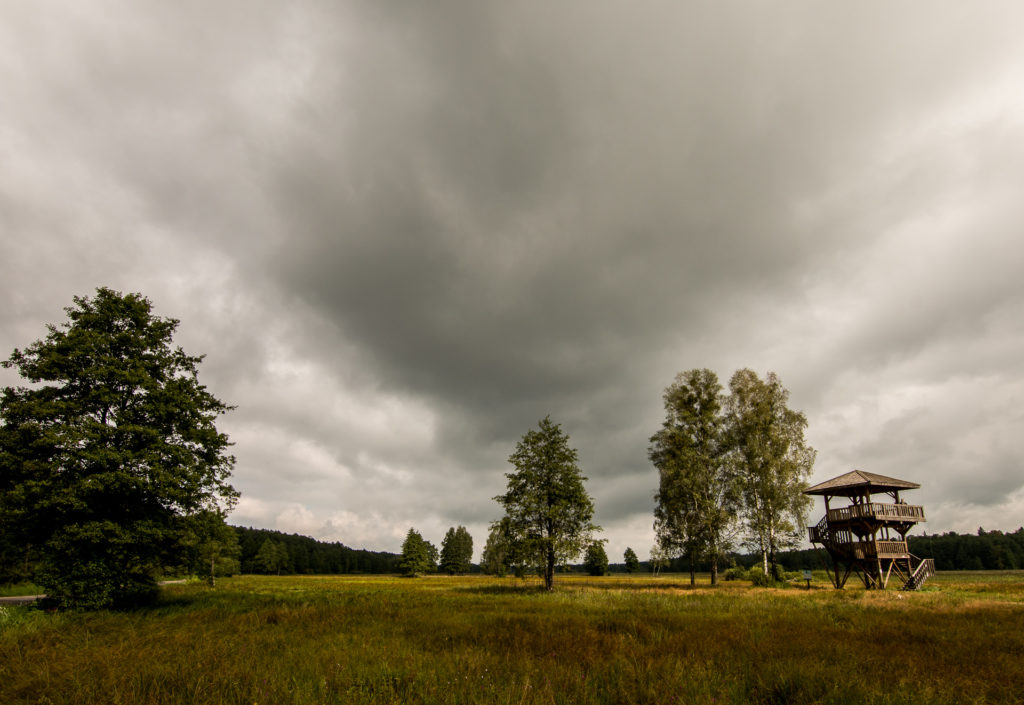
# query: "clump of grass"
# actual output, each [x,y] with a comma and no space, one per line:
[482,640]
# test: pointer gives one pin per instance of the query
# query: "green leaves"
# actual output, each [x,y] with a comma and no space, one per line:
[722,458]
[548,510]
[596,560]
[457,551]
[418,556]
[772,460]
[115,431]
[631,560]
[697,499]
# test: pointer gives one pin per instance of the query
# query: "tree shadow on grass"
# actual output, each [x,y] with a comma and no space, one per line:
[511,589]
[596,583]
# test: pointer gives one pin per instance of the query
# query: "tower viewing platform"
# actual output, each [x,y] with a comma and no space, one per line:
[869,537]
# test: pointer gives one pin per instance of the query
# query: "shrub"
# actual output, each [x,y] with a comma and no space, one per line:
[736,572]
[757,577]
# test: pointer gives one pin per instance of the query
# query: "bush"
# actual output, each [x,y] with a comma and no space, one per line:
[736,572]
[757,577]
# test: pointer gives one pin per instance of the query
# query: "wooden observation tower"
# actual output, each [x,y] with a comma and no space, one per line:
[869,536]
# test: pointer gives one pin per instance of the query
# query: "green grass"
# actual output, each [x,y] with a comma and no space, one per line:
[19,590]
[482,640]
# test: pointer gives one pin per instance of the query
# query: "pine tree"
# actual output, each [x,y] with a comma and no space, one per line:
[416,558]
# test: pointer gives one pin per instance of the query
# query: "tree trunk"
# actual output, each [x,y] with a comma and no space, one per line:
[693,571]
[772,557]
[549,571]
[714,571]
[212,579]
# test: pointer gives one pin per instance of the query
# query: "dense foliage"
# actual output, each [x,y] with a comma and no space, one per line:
[772,461]
[596,560]
[305,555]
[698,500]
[548,509]
[631,562]
[418,556]
[109,452]
[457,551]
[726,463]
[497,557]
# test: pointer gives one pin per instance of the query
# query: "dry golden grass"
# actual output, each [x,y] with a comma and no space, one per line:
[484,640]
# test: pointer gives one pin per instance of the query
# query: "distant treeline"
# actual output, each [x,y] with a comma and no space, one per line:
[267,551]
[985,550]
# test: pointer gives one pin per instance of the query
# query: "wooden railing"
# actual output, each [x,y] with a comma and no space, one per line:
[886,549]
[845,542]
[877,510]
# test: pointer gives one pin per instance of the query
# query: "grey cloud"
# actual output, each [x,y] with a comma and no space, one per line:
[466,216]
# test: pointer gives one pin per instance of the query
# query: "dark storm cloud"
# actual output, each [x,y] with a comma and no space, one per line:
[405,233]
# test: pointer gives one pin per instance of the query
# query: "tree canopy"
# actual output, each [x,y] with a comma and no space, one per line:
[698,492]
[631,560]
[108,450]
[418,556]
[548,509]
[772,461]
[497,555]
[596,559]
[457,551]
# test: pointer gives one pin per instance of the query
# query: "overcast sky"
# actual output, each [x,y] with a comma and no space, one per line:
[404,232]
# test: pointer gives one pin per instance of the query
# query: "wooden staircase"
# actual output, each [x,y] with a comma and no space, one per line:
[924,570]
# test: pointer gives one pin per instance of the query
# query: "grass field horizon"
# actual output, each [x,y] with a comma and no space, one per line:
[476,639]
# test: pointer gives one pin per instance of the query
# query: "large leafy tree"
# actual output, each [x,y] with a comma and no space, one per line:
[457,551]
[106,452]
[698,493]
[548,509]
[773,462]
[596,559]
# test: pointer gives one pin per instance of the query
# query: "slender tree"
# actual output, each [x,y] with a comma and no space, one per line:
[698,493]
[548,509]
[659,559]
[113,444]
[631,560]
[272,557]
[211,545]
[497,555]
[773,462]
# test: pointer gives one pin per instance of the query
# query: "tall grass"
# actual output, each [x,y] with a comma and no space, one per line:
[480,640]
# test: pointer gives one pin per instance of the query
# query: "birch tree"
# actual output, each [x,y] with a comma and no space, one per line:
[773,462]
[698,493]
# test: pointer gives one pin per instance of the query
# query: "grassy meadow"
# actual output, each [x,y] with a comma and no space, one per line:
[486,640]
